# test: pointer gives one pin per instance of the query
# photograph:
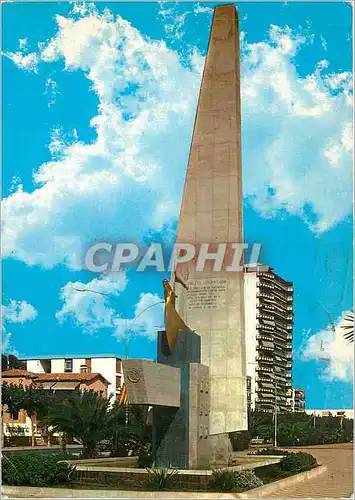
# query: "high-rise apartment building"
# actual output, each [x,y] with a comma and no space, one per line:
[268,326]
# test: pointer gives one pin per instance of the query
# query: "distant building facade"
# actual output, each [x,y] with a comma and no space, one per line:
[19,424]
[109,366]
[269,331]
[332,413]
[298,400]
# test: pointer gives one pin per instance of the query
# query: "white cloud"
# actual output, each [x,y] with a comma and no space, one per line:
[297,152]
[324,43]
[14,312]
[92,311]
[202,9]
[27,62]
[18,312]
[51,90]
[174,20]
[23,43]
[296,133]
[333,350]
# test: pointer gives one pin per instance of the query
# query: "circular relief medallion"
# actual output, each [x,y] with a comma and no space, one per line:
[134,375]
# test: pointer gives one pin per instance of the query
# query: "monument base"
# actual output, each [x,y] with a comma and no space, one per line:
[181,436]
[220,449]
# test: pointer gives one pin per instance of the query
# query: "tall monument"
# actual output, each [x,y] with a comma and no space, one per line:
[211,212]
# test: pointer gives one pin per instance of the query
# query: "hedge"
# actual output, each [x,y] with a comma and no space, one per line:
[291,464]
[35,469]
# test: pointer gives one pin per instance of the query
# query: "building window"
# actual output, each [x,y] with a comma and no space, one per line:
[84,369]
[68,366]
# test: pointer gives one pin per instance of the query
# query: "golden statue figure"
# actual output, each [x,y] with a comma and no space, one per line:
[173,321]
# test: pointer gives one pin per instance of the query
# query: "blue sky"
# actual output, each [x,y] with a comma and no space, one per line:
[98,108]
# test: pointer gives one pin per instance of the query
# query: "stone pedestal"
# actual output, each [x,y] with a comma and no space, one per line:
[182,435]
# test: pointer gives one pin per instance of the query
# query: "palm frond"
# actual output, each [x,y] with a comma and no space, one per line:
[348,327]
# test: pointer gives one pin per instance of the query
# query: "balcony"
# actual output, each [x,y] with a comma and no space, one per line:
[269,380]
[263,348]
[265,327]
[265,295]
[262,336]
[262,368]
[263,305]
[262,357]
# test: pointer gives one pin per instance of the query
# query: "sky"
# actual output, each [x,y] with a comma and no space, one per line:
[98,109]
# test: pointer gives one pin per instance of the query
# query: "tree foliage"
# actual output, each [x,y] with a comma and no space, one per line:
[128,430]
[348,326]
[81,416]
[10,362]
[299,428]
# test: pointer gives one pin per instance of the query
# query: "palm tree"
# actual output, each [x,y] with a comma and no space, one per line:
[36,403]
[348,326]
[85,417]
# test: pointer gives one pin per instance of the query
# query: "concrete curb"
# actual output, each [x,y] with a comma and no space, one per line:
[262,492]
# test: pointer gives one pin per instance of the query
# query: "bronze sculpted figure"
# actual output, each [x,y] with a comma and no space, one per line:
[173,321]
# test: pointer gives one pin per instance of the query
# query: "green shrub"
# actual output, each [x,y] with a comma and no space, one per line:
[35,469]
[297,462]
[222,480]
[269,473]
[246,480]
[161,479]
[240,440]
[145,460]
[291,464]
[232,480]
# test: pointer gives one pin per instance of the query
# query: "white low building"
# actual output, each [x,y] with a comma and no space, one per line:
[332,413]
[109,366]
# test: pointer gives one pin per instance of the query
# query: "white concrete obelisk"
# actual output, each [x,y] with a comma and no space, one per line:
[211,212]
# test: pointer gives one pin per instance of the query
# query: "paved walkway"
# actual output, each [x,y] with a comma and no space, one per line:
[337,482]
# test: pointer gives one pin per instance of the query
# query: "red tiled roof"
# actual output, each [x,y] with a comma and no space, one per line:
[18,373]
[55,377]
[79,377]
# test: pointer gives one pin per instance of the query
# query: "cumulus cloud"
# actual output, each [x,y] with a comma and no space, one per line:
[100,306]
[331,348]
[18,312]
[297,133]
[14,312]
[27,62]
[297,140]
[147,320]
